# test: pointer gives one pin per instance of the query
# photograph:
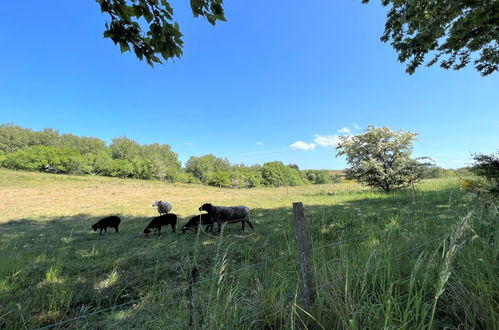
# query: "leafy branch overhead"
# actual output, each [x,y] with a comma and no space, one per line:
[455,32]
[147,26]
[451,32]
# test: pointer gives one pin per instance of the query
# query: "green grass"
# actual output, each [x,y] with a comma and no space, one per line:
[379,261]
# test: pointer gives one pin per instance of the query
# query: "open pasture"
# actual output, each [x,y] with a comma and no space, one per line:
[380,261]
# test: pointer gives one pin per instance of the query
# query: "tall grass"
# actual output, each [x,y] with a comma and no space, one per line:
[379,261]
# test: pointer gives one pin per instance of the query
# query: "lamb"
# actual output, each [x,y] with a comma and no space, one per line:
[112,221]
[163,206]
[205,219]
[162,220]
[222,214]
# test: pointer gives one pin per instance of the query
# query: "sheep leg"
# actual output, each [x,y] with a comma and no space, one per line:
[242,227]
[173,227]
[116,228]
[249,223]
[100,231]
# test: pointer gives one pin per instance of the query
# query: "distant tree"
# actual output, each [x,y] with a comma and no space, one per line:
[318,176]
[124,148]
[157,34]
[322,177]
[13,138]
[143,169]
[165,163]
[46,137]
[453,32]
[218,179]
[85,145]
[246,177]
[277,174]
[202,167]
[121,168]
[381,158]
[100,161]
[311,176]
[161,154]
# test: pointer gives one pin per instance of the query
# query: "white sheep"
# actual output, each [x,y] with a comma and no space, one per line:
[163,206]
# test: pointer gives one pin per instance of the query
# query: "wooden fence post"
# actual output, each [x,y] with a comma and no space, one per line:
[306,277]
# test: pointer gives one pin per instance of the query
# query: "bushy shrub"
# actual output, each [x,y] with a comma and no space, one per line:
[252,179]
[318,176]
[46,159]
[121,168]
[184,177]
[99,162]
[474,184]
[487,166]
[203,167]
[143,169]
[219,179]
[276,174]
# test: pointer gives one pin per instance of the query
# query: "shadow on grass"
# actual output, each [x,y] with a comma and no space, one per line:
[56,269]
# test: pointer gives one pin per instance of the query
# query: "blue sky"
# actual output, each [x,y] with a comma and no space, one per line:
[278,73]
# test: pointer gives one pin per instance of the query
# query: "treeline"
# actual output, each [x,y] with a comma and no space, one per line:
[52,152]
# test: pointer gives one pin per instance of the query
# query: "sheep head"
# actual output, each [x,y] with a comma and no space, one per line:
[208,207]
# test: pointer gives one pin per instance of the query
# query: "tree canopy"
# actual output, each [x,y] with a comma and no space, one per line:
[454,32]
[451,32]
[148,27]
[381,158]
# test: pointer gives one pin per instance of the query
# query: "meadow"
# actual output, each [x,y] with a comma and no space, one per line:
[379,261]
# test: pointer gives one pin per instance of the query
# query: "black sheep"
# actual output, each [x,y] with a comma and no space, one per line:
[229,214]
[112,222]
[162,220]
[205,219]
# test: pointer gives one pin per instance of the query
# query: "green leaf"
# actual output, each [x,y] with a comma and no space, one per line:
[124,47]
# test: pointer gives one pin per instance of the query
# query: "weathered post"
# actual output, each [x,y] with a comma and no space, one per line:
[306,276]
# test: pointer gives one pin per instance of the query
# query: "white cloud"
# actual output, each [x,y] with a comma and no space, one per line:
[259,143]
[344,130]
[300,145]
[356,126]
[188,143]
[327,140]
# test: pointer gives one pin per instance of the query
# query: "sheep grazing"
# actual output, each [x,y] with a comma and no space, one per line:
[230,214]
[164,207]
[162,220]
[204,219]
[112,221]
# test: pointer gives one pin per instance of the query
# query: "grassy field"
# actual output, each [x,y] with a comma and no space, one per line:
[379,261]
